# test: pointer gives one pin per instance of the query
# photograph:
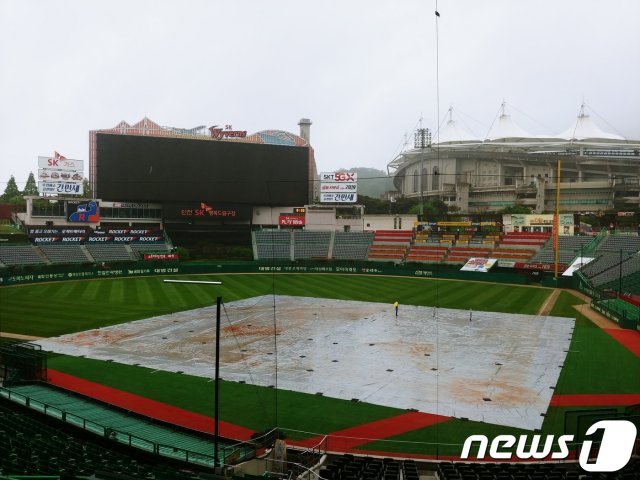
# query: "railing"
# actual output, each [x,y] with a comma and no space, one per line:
[236,453]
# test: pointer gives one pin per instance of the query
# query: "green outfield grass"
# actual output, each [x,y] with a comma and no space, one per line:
[63,307]
[595,363]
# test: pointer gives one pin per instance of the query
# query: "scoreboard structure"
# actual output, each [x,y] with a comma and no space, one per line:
[195,176]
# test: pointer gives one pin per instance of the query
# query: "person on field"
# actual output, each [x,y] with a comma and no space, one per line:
[395,306]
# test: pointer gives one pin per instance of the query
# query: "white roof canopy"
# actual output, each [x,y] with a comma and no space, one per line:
[452,132]
[506,128]
[584,128]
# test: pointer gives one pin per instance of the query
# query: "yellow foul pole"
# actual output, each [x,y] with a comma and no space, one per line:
[556,222]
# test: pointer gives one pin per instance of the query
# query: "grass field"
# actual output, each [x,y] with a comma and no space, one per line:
[595,363]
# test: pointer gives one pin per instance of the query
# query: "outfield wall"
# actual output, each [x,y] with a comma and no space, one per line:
[57,273]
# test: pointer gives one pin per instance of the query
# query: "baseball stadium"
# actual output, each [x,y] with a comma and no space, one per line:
[316,340]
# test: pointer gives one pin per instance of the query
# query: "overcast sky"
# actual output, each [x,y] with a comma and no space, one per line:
[364,72]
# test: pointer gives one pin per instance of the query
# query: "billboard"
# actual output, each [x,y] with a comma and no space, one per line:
[338,187]
[132,168]
[338,197]
[479,265]
[60,188]
[291,220]
[83,211]
[61,163]
[59,175]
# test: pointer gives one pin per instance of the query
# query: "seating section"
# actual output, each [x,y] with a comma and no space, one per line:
[617,243]
[307,245]
[273,244]
[72,253]
[426,253]
[517,254]
[528,240]
[310,244]
[20,255]
[601,264]
[110,252]
[351,245]
[139,249]
[611,278]
[568,248]
[32,447]
[390,245]
[462,254]
[348,467]
[529,471]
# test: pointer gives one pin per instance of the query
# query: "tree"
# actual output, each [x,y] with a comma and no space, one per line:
[86,189]
[11,190]
[31,188]
[515,209]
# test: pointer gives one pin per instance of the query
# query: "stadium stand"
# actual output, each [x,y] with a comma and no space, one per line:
[272,244]
[71,253]
[527,471]
[426,253]
[568,246]
[307,245]
[462,254]
[110,252]
[21,255]
[139,249]
[618,243]
[29,446]
[524,240]
[390,245]
[349,467]
[351,245]
[611,277]
[517,254]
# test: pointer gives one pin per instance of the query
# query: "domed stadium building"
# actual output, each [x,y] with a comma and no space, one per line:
[598,170]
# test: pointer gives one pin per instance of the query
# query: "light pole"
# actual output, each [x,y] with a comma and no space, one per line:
[216,395]
[422,139]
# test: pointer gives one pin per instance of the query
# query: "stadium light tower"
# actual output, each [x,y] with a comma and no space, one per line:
[421,140]
[216,396]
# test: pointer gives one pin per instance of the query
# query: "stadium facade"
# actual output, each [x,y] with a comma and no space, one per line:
[599,170]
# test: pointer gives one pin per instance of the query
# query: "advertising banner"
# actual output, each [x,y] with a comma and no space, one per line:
[338,197]
[338,177]
[49,175]
[291,220]
[161,256]
[83,211]
[60,188]
[338,187]
[479,265]
[61,163]
[208,211]
[545,267]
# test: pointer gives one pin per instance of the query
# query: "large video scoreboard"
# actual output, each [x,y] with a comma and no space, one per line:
[177,170]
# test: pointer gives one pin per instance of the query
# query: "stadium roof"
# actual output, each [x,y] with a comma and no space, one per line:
[506,128]
[148,127]
[584,129]
[454,133]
